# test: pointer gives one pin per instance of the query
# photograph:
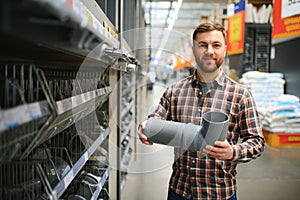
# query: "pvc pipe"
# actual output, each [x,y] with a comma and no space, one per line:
[215,127]
[188,136]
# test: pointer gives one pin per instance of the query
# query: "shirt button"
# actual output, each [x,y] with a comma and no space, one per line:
[199,109]
[193,161]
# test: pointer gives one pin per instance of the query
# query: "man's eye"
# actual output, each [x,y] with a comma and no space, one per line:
[202,45]
[216,45]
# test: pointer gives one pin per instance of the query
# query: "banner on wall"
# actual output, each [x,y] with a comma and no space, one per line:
[285,27]
[236,28]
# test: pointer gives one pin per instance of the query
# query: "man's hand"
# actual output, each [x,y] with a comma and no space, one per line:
[221,150]
[143,137]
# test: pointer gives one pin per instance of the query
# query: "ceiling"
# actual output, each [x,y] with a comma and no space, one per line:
[170,23]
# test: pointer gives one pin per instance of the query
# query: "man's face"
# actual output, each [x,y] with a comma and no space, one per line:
[209,50]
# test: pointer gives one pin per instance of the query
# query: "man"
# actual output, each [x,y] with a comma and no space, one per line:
[210,174]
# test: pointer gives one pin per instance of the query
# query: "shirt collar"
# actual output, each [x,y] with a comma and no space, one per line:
[220,79]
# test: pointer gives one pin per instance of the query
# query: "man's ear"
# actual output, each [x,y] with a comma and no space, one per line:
[193,50]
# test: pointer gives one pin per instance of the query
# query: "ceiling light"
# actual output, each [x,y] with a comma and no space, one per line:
[170,27]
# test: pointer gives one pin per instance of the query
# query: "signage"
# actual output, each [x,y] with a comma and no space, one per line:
[236,29]
[290,8]
[284,27]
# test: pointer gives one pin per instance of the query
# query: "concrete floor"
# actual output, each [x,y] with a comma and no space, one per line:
[274,176]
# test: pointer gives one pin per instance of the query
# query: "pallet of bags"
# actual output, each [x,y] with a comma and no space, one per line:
[281,123]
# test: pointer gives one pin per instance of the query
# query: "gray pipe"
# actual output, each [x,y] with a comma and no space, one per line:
[188,136]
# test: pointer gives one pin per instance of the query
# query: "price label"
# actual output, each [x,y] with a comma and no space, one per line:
[16,116]
[35,110]
[290,8]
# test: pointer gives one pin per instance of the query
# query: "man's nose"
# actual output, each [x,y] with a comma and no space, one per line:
[210,49]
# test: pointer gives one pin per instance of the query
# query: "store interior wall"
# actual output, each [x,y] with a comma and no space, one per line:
[286,61]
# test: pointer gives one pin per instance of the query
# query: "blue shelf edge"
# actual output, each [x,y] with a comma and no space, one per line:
[65,182]
[101,183]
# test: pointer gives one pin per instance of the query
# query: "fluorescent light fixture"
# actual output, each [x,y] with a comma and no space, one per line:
[171,21]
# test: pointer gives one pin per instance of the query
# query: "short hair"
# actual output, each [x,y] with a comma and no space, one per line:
[209,26]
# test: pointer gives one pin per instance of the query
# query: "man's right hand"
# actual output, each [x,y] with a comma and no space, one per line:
[143,137]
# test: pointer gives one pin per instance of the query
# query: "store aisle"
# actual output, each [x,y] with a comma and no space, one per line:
[274,176]
[150,169]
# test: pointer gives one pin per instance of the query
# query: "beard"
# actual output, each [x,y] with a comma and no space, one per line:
[209,66]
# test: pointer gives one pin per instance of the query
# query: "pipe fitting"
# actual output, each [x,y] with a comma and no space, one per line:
[188,136]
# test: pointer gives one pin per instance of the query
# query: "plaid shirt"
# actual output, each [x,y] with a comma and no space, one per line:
[196,176]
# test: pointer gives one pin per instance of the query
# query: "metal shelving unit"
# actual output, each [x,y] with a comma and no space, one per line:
[127,131]
[32,144]
[55,85]
[257,46]
[54,105]
[66,181]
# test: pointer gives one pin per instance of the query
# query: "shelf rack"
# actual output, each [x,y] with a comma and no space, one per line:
[47,43]
[65,182]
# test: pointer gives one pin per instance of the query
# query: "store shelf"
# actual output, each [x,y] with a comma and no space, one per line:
[129,87]
[65,182]
[77,12]
[19,125]
[19,115]
[257,47]
[126,159]
[127,109]
[101,183]
[68,112]
[126,130]
[57,61]
[75,102]
[55,33]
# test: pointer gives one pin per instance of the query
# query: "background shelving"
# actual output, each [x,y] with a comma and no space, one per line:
[257,47]
[60,137]
[56,132]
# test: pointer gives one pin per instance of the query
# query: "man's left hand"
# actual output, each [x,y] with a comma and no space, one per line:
[221,150]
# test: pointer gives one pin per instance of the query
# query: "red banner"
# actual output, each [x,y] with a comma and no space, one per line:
[236,29]
[284,27]
[235,33]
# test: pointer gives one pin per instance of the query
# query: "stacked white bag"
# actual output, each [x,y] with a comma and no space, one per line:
[282,116]
[262,14]
[293,122]
[265,87]
[279,112]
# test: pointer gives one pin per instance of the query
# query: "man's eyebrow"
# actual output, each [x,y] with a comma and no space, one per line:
[203,42]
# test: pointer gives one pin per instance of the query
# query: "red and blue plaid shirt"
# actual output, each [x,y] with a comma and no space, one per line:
[196,176]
